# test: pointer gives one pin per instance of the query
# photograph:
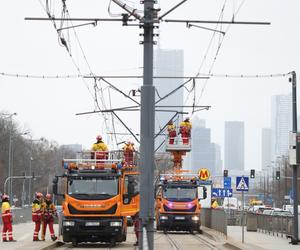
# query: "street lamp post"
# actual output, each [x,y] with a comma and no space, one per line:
[9,116]
[30,165]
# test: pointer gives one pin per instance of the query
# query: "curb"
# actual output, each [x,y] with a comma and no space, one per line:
[53,245]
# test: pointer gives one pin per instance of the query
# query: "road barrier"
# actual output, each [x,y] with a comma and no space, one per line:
[273,225]
[214,219]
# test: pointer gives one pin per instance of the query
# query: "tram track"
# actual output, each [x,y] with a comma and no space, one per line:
[173,242]
[177,243]
[204,241]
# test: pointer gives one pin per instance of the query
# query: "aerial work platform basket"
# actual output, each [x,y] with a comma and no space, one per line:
[178,144]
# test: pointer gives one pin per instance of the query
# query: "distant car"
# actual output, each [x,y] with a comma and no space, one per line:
[258,209]
[278,212]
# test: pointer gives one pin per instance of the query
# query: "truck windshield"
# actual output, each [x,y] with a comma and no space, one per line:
[182,193]
[93,188]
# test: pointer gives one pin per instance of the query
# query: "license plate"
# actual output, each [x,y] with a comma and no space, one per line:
[179,218]
[92,223]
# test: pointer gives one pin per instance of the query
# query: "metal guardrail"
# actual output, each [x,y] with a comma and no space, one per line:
[275,225]
[214,219]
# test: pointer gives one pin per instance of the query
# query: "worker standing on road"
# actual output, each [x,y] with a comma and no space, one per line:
[136,224]
[128,150]
[185,130]
[100,149]
[6,219]
[171,131]
[37,214]
[48,213]
[214,203]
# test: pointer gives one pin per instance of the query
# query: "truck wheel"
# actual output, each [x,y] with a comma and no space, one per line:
[200,231]
[74,242]
[112,242]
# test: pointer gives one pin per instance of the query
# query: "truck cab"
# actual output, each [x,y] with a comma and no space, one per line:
[177,204]
[98,196]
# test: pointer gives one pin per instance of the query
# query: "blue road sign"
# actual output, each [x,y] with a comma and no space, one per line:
[242,183]
[227,182]
[222,192]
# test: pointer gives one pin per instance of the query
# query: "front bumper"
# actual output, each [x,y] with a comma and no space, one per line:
[179,222]
[93,230]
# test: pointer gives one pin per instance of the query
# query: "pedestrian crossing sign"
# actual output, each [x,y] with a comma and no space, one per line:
[242,183]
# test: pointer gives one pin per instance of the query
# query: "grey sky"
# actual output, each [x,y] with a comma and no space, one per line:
[48,107]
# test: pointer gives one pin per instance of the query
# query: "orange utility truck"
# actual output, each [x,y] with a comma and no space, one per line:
[98,196]
[177,205]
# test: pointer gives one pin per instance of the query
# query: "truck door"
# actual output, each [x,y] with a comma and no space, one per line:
[131,195]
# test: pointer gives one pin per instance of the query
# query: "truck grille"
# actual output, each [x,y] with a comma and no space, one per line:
[167,209]
[111,210]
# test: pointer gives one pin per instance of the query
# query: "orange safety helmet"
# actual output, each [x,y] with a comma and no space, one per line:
[5,197]
[99,138]
[48,196]
[39,195]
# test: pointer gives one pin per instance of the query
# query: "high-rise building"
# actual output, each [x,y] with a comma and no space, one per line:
[266,148]
[281,124]
[234,145]
[167,63]
[204,154]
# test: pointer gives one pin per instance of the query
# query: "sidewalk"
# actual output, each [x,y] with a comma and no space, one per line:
[257,240]
[23,233]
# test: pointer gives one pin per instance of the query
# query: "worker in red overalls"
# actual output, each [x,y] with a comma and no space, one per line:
[136,224]
[48,213]
[37,214]
[185,130]
[171,131]
[99,149]
[6,219]
[128,150]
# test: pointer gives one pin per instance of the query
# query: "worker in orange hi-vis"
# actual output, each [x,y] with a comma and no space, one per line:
[128,150]
[99,149]
[48,213]
[171,131]
[37,214]
[6,219]
[185,130]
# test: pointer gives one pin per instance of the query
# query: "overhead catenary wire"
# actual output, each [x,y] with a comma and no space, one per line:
[44,76]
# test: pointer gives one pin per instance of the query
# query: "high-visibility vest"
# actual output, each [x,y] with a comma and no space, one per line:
[36,209]
[48,211]
[6,211]
[100,146]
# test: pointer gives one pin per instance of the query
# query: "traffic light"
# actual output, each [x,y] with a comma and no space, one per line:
[277,175]
[225,173]
[252,173]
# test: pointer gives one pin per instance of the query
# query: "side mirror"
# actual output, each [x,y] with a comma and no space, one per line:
[130,186]
[204,193]
[54,185]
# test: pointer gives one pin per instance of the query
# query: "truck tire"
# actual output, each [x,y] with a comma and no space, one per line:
[74,242]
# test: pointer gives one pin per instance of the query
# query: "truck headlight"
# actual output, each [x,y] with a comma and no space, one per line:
[163,217]
[116,223]
[69,223]
[195,218]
